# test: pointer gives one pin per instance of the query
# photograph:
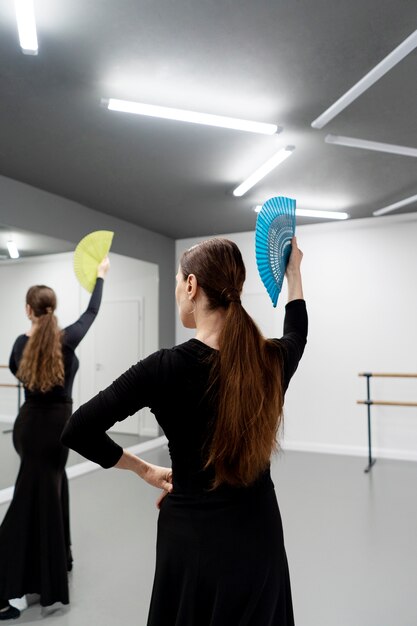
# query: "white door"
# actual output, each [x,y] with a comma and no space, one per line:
[118,334]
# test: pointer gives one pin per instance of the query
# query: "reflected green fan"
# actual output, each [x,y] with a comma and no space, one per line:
[88,255]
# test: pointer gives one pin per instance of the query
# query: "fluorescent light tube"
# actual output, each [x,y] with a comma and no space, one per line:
[396,205]
[262,171]
[394,57]
[26,26]
[352,142]
[180,115]
[328,215]
[12,248]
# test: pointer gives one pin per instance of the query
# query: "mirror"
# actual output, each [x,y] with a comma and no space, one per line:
[125,330]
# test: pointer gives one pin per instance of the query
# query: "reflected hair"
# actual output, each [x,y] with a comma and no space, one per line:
[42,366]
[246,371]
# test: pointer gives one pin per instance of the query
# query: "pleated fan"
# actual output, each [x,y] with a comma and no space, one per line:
[88,255]
[275,227]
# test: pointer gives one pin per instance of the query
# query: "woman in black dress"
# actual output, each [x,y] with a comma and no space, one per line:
[218,397]
[35,552]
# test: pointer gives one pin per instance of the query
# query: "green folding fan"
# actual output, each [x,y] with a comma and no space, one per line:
[88,255]
[275,227]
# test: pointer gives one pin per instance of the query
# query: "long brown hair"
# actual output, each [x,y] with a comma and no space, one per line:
[246,370]
[42,365]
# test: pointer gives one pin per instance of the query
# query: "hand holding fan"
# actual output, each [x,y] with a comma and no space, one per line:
[88,255]
[275,227]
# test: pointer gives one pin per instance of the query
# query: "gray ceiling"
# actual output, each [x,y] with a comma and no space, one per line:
[267,60]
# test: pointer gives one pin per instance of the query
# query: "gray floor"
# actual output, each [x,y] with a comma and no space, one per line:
[351,541]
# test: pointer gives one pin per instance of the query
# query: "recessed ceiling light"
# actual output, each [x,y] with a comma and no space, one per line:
[181,115]
[352,142]
[262,171]
[401,51]
[396,205]
[26,26]
[327,215]
[12,248]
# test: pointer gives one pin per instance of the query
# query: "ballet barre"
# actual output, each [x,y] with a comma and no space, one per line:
[369,403]
[17,386]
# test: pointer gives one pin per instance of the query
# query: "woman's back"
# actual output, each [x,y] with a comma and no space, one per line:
[70,339]
[177,393]
[174,384]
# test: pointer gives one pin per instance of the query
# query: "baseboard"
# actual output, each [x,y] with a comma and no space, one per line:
[7,419]
[6,494]
[322,448]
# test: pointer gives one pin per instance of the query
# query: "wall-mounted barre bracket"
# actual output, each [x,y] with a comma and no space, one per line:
[369,402]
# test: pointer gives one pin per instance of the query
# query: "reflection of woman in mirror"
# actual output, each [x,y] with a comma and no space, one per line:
[219,398]
[35,553]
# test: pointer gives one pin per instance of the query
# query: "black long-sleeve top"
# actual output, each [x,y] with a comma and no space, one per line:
[71,337]
[173,383]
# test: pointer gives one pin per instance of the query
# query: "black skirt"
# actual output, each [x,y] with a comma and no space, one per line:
[221,562]
[35,539]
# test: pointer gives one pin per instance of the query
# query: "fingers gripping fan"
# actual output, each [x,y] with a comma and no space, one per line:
[275,226]
[88,255]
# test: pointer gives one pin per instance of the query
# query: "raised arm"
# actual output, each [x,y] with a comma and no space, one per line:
[294,338]
[77,331]
[293,273]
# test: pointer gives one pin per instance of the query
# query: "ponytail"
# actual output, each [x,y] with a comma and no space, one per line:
[246,371]
[250,401]
[42,367]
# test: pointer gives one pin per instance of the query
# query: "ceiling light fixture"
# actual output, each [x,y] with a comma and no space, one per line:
[396,205]
[26,26]
[12,248]
[181,115]
[401,51]
[328,215]
[352,142]
[262,171]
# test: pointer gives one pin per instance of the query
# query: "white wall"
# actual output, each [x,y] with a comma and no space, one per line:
[361,291]
[128,279]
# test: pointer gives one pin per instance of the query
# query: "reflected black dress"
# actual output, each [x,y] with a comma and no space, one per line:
[35,552]
[220,554]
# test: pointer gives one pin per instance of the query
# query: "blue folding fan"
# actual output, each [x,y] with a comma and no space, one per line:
[275,226]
